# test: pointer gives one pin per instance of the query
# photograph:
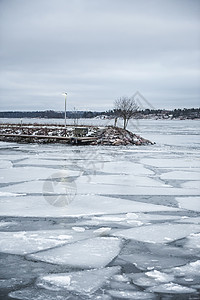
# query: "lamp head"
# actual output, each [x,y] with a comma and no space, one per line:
[64,94]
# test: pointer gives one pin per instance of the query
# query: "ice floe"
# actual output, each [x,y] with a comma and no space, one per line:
[171,288]
[121,278]
[122,286]
[125,167]
[142,186]
[31,173]
[39,161]
[123,180]
[193,241]
[38,294]
[148,261]
[131,295]
[151,278]
[78,229]
[101,297]
[188,274]
[129,219]
[103,231]
[167,250]
[5,164]
[181,175]
[83,282]
[159,276]
[192,268]
[195,184]
[159,233]
[141,280]
[190,203]
[90,253]
[83,205]
[172,162]
[24,242]
[194,220]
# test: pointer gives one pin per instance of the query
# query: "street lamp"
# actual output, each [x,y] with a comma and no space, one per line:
[65,94]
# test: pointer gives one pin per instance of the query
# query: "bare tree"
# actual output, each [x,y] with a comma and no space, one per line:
[125,108]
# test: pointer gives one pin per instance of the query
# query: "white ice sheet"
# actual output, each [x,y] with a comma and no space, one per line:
[173,162]
[190,203]
[82,205]
[143,188]
[181,175]
[32,173]
[131,295]
[5,164]
[90,253]
[195,184]
[193,241]
[159,233]
[171,288]
[83,282]
[23,242]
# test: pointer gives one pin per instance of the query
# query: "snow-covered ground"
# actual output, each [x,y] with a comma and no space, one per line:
[101,222]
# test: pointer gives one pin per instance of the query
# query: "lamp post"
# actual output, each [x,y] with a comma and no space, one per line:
[65,94]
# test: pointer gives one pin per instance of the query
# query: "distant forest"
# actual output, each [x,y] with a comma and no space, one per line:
[186,113]
[50,114]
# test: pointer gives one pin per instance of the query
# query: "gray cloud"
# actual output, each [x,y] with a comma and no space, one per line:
[97,51]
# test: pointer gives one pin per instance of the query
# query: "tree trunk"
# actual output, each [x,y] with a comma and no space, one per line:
[125,123]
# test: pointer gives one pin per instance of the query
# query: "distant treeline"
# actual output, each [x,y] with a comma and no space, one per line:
[186,113]
[50,114]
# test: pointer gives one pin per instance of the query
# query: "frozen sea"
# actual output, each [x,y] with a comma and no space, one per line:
[101,222]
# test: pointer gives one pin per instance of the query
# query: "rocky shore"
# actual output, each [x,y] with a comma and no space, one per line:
[74,135]
[117,136]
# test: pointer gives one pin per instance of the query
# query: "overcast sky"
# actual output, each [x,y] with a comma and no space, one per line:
[97,51]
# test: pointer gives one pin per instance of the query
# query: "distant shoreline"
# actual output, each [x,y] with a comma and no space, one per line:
[180,114]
